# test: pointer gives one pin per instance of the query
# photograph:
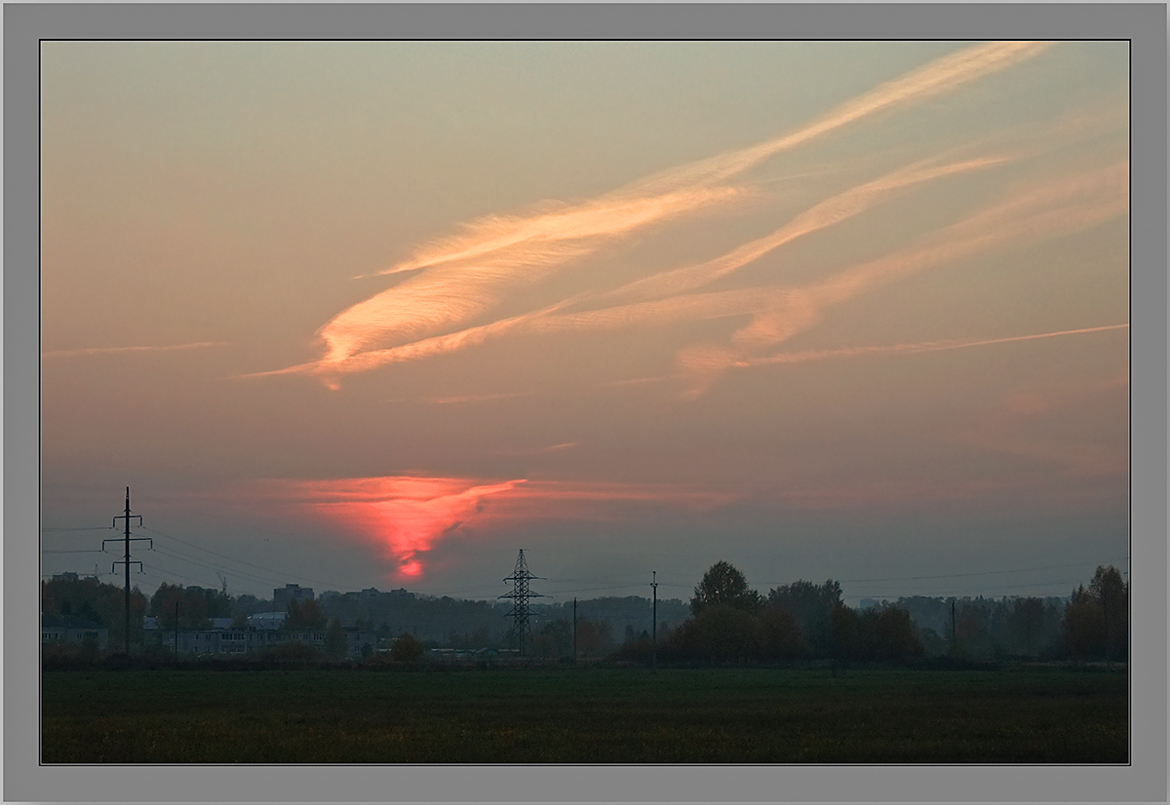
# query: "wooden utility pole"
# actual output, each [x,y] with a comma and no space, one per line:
[176,630]
[574,629]
[1105,604]
[954,636]
[654,628]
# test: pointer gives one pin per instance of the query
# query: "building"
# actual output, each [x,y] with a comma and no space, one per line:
[267,620]
[73,630]
[208,642]
[290,592]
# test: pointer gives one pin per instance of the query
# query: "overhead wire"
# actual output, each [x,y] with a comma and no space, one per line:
[169,552]
[83,528]
[269,576]
[276,577]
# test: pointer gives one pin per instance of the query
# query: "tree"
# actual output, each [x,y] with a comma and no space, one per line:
[1097,615]
[845,634]
[91,599]
[1111,590]
[725,584]
[594,637]
[304,616]
[780,634]
[888,634]
[247,604]
[335,643]
[406,649]
[197,606]
[555,639]
[812,605]
[720,632]
[1025,625]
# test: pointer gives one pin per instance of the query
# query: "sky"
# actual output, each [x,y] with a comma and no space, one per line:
[382,314]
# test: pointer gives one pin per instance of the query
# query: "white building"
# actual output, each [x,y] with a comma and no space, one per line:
[207,642]
[72,630]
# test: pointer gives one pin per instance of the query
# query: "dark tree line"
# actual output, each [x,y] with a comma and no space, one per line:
[96,601]
[196,606]
[727,622]
[730,622]
[1096,620]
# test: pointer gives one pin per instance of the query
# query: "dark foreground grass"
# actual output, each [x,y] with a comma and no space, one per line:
[580,715]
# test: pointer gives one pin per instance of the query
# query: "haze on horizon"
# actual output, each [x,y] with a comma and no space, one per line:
[353,314]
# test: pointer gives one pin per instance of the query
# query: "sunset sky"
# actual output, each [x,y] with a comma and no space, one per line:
[381,314]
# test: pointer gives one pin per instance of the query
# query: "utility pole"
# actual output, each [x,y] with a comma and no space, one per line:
[127,539]
[654,628]
[1105,604]
[574,630]
[520,595]
[176,630]
[954,638]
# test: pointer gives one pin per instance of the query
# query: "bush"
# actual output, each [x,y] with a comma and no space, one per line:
[56,656]
[780,633]
[406,649]
[294,652]
[720,632]
[889,634]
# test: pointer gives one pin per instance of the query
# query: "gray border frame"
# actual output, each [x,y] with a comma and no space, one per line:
[1144,24]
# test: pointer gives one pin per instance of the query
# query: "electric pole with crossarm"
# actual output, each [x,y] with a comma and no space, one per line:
[127,539]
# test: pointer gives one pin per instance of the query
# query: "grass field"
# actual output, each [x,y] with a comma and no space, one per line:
[584,715]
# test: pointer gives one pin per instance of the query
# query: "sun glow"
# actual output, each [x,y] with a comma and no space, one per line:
[403,515]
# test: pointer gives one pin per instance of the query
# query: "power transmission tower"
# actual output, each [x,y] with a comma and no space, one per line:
[127,539]
[520,595]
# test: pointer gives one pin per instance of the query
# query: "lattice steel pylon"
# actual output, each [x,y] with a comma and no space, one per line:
[520,595]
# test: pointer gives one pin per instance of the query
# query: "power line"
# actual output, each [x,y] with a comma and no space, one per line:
[936,592]
[965,575]
[217,568]
[278,575]
[84,528]
[170,573]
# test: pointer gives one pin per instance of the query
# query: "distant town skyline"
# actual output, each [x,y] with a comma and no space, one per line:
[381,314]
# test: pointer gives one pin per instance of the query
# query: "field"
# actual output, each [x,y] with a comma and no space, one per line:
[584,715]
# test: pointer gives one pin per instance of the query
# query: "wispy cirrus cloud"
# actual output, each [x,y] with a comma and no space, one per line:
[805,356]
[92,351]
[673,284]
[464,276]
[832,211]
[1046,210]
[1054,208]
[463,398]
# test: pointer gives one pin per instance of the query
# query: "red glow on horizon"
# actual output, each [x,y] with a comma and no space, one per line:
[403,514]
[406,515]
[411,569]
